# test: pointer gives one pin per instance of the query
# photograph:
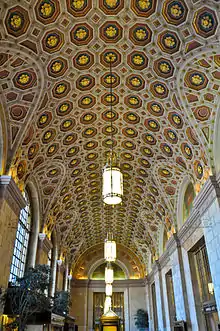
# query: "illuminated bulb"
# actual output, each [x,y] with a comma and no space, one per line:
[211,288]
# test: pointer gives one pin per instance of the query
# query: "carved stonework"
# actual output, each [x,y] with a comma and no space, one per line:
[47,245]
[10,193]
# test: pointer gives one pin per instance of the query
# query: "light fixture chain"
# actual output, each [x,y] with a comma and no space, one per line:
[111,126]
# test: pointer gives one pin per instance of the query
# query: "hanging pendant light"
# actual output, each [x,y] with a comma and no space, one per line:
[108,290]
[109,274]
[112,179]
[110,249]
[112,185]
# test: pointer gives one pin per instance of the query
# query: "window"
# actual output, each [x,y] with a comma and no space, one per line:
[21,242]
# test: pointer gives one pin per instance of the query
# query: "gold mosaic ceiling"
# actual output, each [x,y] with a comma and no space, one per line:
[54,75]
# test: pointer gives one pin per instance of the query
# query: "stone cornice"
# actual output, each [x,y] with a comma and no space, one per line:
[127,283]
[11,193]
[209,192]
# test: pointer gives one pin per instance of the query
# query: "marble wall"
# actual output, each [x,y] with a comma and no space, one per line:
[204,222]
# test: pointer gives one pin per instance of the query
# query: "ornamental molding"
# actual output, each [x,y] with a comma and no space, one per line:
[11,194]
[45,242]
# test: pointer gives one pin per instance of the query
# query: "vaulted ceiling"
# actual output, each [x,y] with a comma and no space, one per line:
[55,80]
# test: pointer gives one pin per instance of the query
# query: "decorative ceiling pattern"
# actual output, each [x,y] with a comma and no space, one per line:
[55,88]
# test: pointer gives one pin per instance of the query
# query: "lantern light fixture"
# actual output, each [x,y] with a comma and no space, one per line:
[110,249]
[109,274]
[112,179]
[108,290]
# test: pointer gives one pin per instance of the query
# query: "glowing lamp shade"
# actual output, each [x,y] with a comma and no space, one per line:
[109,274]
[108,304]
[211,288]
[108,290]
[112,189]
[110,250]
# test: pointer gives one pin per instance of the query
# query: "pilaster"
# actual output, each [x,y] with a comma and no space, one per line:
[179,283]
[172,260]
[159,296]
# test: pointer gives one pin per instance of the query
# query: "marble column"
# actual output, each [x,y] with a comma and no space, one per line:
[179,282]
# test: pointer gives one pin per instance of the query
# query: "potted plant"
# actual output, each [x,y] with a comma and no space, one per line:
[141,320]
[26,296]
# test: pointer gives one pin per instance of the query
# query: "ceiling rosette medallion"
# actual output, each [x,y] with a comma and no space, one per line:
[83,60]
[47,11]
[205,22]
[196,80]
[143,8]
[110,55]
[169,42]
[52,41]
[137,60]
[163,68]
[17,21]
[79,8]
[111,32]
[81,34]
[111,7]
[175,12]
[140,34]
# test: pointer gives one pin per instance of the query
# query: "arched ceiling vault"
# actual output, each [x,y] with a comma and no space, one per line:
[54,71]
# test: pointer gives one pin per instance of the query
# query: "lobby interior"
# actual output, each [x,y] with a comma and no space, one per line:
[86,82]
